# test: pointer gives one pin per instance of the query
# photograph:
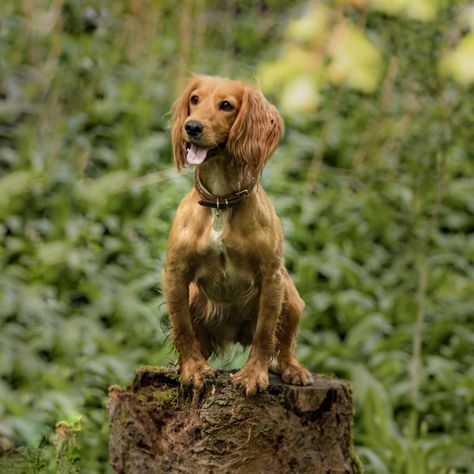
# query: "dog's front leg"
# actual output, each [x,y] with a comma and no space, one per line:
[253,376]
[192,364]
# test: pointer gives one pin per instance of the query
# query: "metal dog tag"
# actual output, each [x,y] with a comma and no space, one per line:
[218,221]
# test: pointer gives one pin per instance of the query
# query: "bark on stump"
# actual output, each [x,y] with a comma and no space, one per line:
[159,426]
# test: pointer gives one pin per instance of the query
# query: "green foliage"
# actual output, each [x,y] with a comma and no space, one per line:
[375,192]
[67,442]
[22,461]
[381,248]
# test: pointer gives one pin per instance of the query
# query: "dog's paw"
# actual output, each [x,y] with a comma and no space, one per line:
[194,370]
[252,378]
[297,375]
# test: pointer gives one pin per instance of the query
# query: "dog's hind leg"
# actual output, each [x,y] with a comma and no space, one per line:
[285,362]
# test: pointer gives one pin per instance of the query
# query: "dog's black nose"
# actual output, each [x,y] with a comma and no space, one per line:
[193,128]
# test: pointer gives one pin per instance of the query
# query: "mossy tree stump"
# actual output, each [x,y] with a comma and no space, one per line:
[158,426]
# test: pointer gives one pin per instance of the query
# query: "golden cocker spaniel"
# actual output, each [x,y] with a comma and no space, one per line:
[225,280]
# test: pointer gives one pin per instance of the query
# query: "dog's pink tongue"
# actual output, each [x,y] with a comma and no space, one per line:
[196,154]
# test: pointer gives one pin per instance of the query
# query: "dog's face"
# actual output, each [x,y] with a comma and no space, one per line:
[213,107]
[216,115]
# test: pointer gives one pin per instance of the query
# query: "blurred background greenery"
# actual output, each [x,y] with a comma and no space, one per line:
[374,183]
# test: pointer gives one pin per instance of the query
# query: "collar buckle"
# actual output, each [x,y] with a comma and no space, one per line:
[244,191]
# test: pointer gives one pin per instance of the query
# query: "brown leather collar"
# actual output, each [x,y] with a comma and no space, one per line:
[221,202]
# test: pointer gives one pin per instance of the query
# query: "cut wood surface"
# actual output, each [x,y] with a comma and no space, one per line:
[159,426]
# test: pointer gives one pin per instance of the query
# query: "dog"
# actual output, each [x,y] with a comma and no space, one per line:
[225,281]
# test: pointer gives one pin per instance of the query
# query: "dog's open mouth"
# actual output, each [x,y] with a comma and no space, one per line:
[197,154]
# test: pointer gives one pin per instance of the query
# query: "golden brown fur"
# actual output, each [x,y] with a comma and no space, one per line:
[227,283]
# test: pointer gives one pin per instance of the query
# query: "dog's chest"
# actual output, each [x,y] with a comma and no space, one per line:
[220,243]
[223,274]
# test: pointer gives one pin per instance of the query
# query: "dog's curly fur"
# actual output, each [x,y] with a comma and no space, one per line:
[228,283]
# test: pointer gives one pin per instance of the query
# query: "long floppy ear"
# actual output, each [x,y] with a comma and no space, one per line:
[180,113]
[255,133]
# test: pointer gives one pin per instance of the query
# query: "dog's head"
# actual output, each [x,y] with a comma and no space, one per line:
[215,115]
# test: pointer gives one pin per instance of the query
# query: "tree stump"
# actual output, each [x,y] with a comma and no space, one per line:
[159,426]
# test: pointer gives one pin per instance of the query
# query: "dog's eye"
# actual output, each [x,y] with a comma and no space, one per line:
[226,105]
[194,99]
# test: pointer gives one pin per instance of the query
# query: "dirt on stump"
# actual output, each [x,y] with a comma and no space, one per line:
[159,426]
